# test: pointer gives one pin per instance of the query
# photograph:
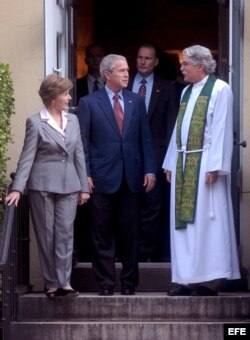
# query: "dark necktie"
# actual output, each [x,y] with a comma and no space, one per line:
[142,88]
[118,112]
[95,86]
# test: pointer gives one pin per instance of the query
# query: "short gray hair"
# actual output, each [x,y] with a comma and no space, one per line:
[107,63]
[201,55]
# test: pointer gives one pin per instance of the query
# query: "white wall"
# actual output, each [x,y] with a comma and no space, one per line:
[22,35]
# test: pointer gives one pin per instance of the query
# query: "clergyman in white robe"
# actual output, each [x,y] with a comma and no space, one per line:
[206,249]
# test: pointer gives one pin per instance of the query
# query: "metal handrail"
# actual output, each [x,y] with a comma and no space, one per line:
[7,228]
[14,262]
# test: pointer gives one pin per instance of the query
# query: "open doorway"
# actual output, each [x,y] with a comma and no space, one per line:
[171,24]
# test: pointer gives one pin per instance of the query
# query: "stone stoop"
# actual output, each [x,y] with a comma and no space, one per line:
[153,277]
[144,316]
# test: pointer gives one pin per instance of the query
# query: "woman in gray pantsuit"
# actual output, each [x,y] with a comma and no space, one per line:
[52,168]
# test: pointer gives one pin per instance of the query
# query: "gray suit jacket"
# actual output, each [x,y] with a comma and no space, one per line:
[49,163]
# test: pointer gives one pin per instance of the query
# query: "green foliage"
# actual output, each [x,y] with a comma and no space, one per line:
[6,111]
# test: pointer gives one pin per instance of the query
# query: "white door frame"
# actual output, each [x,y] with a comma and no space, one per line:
[56,37]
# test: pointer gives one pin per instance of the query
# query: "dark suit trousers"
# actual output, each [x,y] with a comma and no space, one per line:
[112,215]
[154,218]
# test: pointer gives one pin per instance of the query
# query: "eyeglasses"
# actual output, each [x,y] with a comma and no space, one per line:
[185,63]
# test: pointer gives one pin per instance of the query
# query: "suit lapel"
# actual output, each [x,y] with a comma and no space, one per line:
[70,129]
[155,95]
[156,91]
[53,133]
[107,109]
[128,109]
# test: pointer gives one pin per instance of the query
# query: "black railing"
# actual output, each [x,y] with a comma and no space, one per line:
[14,262]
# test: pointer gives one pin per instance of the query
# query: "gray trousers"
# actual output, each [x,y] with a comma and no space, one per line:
[53,219]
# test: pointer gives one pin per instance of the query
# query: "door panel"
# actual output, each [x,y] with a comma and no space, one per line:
[229,69]
[236,44]
[56,37]
[72,5]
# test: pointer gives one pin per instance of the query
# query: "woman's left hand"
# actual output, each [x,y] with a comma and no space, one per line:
[83,198]
[13,198]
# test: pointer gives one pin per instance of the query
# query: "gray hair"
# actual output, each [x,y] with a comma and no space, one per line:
[201,55]
[107,63]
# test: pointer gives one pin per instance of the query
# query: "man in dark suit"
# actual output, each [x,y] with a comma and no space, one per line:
[119,161]
[160,100]
[92,81]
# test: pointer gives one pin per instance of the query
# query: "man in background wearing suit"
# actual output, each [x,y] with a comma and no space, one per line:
[93,80]
[120,161]
[160,100]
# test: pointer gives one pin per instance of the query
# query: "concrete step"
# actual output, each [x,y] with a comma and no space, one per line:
[107,330]
[153,277]
[145,316]
[140,307]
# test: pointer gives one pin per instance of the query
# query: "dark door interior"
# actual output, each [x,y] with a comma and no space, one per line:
[170,24]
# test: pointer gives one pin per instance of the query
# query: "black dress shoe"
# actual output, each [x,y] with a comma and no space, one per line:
[145,257]
[50,294]
[203,291]
[180,291]
[106,292]
[127,291]
[60,292]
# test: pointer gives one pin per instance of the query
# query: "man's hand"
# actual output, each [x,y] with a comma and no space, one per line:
[168,174]
[90,184]
[211,177]
[149,182]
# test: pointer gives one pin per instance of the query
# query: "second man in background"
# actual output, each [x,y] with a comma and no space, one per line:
[160,100]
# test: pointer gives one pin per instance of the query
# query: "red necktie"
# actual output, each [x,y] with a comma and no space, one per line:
[142,88]
[118,112]
[95,86]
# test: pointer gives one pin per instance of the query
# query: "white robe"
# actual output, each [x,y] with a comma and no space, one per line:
[206,250]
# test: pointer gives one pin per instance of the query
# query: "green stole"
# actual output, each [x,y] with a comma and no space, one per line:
[186,186]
